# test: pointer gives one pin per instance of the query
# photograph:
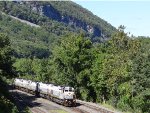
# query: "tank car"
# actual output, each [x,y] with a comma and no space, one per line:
[26,85]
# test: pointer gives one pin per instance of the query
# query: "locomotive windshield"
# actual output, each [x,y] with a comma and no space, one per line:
[68,89]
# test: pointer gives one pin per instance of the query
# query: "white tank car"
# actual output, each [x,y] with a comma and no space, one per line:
[43,88]
[20,83]
[17,82]
[27,84]
[32,85]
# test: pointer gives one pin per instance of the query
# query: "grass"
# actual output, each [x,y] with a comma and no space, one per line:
[58,111]
[112,108]
[108,106]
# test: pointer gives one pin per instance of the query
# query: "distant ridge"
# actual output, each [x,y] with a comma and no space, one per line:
[60,17]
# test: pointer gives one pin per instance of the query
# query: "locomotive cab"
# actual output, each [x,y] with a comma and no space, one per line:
[69,95]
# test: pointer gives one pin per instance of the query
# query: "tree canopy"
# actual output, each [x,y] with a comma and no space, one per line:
[5,56]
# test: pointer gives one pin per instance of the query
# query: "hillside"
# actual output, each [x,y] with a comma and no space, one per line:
[21,21]
[60,18]
[26,41]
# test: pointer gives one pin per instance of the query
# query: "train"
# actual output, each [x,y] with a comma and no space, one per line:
[64,95]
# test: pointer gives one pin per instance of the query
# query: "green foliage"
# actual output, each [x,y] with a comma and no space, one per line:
[98,78]
[27,110]
[141,82]
[71,63]
[71,9]
[114,72]
[6,102]
[113,78]
[25,40]
[5,56]
[34,69]
[56,24]
[6,106]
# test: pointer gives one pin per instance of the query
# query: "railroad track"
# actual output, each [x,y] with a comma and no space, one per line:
[79,110]
[23,101]
[44,103]
[36,110]
[82,107]
[99,109]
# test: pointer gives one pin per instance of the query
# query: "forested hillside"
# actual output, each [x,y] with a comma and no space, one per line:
[64,17]
[27,41]
[115,72]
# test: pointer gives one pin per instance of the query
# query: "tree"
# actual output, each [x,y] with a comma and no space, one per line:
[5,71]
[98,78]
[112,67]
[71,64]
[141,83]
[5,56]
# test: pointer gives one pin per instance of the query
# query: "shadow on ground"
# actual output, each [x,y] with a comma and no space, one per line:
[78,104]
[23,100]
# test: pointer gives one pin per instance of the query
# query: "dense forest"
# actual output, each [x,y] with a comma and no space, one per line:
[115,72]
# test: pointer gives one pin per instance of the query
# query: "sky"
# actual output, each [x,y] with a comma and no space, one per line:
[134,15]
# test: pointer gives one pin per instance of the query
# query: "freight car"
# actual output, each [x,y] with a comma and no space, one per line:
[64,95]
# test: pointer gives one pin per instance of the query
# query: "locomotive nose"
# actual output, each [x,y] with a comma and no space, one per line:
[69,96]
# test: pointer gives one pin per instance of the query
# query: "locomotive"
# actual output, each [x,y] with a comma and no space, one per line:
[64,95]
